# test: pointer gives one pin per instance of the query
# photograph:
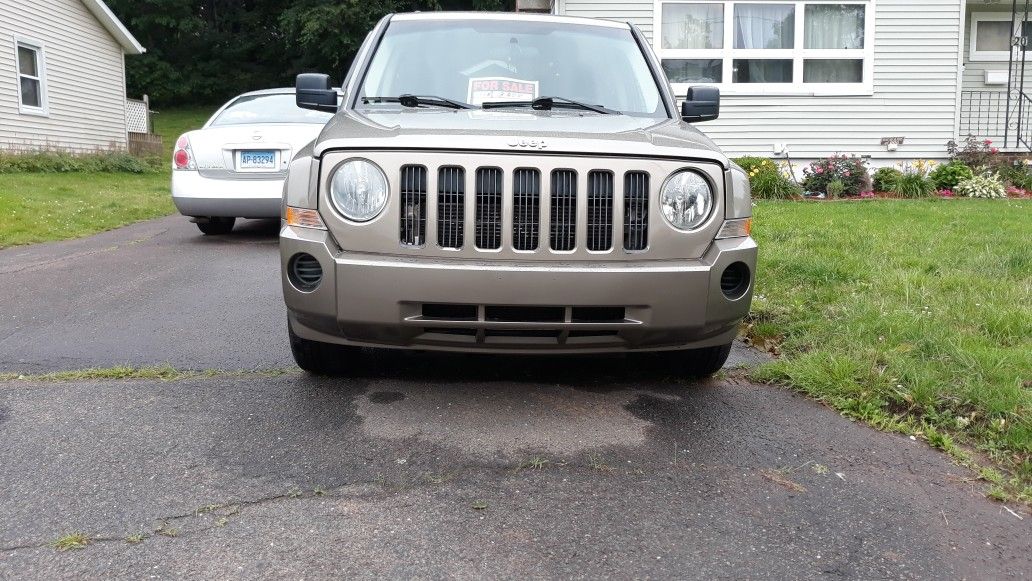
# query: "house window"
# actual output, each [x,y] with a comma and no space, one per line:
[992,36]
[767,47]
[32,90]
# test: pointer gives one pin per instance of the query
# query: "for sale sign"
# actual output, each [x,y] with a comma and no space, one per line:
[489,89]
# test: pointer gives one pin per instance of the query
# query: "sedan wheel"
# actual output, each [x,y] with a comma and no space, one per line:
[216,225]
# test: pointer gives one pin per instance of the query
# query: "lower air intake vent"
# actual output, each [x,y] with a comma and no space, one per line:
[734,281]
[304,272]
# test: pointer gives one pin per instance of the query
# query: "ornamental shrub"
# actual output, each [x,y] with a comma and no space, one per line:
[767,180]
[835,189]
[913,185]
[981,187]
[62,162]
[947,176]
[978,154]
[885,178]
[851,171]
[1017,175]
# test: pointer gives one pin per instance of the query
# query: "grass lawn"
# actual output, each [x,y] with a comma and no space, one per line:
[40,207]
[915,316]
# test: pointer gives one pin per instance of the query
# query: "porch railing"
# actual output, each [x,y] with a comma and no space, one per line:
[984,115]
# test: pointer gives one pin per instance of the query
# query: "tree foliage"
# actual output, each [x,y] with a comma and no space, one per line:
[205,51]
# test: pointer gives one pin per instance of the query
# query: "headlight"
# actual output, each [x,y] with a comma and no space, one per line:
[686,200]
[359,190]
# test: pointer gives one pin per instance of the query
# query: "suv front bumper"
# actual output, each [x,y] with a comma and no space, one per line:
[378,300]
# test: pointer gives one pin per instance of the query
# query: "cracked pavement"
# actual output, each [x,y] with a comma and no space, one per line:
[424,465]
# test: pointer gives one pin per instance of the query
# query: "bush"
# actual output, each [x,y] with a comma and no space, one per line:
[1017,175]
[981,187]
[947,176]
[885,178]
[851,171]
[61,162]
[767,180]
[835,189]
[977,154]
[913,185]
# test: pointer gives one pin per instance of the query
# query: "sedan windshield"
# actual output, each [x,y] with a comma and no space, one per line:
[493,61]
[273,108]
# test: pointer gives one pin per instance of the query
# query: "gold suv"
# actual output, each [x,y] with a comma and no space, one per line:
[512,184]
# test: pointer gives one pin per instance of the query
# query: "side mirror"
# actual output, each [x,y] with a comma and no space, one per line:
[701,104]
[314,91]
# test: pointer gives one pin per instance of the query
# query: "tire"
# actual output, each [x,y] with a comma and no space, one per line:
[700,363]
[216,226]
[320,358]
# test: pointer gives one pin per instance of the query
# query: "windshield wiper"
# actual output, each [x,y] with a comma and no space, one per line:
[417,100]
[548,103]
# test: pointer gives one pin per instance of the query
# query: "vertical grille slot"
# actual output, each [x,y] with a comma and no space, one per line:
[636,210]
[451,198]
[488,232]
[600,210]
[563,225]
[526,204]
[413,205]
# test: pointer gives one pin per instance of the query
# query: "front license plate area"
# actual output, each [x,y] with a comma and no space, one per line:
[254,159]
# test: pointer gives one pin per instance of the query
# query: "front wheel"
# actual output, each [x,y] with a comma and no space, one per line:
[215,226]
[699,363]
[320,358]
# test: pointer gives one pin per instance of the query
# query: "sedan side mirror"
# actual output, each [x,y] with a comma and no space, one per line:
[314,91]
[701,104]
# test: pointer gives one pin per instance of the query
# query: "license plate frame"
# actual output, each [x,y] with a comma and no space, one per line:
[257,160]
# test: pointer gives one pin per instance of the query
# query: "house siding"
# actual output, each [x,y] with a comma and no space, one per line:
[916,76]
[84,78]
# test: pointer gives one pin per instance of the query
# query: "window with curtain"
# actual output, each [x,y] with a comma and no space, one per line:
[804,47]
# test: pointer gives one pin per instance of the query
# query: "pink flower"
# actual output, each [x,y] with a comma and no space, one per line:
[819,169]
[946,193]
[994,150]
[846,173]
[866,194]
[988,141]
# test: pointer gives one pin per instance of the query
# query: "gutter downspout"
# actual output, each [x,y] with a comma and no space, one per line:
[960,69]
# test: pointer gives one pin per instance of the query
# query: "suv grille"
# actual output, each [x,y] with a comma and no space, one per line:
[636,210]
[451,204]
[493,193]
[489,208]
[413,205]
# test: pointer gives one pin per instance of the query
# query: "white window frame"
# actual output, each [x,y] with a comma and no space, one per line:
[796,88]
[988,55]
[41,70]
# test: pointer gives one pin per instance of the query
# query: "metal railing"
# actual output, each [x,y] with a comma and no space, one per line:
[983,114]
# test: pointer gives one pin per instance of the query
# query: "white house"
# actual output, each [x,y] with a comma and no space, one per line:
[889,79]
[62,75]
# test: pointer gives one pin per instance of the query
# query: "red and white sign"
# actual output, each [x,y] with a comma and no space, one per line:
[489,89]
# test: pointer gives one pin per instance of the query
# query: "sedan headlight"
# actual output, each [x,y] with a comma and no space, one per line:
[686,200]
[359,190]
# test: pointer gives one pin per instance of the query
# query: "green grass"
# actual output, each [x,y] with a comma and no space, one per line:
[41,207]
[915,316]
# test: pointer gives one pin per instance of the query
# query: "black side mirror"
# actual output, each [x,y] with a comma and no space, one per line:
[314,91]
[701,104]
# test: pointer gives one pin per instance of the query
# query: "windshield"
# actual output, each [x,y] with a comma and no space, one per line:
[487,61]
[274,108]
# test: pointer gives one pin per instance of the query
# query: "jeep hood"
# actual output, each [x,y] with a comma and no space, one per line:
[517,131]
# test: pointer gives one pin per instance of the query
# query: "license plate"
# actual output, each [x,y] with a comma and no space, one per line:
[254,159]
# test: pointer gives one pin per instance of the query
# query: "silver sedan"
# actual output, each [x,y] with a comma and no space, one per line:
[234,166]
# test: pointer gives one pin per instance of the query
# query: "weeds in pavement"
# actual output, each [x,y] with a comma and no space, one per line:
[71,541]
[119,372]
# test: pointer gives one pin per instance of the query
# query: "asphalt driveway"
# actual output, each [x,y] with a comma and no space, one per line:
[424,465]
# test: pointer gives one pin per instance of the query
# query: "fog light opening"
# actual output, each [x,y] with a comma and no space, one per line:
[305,272]
[734,282]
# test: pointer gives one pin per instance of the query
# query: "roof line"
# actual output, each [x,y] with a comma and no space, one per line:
[114,26]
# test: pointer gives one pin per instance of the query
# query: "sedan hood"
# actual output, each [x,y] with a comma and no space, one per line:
[517,130]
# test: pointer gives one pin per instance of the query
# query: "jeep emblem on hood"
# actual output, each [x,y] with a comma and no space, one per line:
[522,142]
